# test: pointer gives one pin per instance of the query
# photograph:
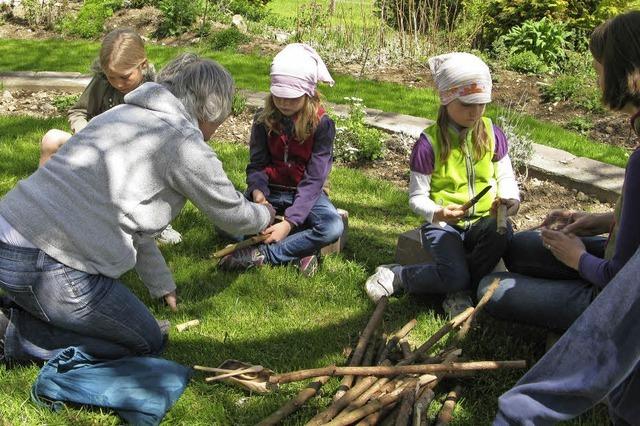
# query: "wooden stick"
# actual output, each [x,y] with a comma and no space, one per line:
[481,303]
[369,354]
[435,338]
[421,406]
[256,239]
[252,369]
[400,334]
[395,370]
[295,403]
[186,325]
[374,418]
[446,412]
[406,348]
[372,325]
[408,398]
[501,219]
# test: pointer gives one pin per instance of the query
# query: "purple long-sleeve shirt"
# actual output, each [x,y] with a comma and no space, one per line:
[422,157]
[316,172]
[600,271]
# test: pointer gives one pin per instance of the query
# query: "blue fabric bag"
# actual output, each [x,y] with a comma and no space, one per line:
[140,389]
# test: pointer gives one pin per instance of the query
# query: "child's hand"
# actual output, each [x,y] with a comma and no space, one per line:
[258,197]
[512,204]
[171,299]
[277,232]
[450,214]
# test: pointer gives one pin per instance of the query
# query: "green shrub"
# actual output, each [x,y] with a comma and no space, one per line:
[545,38]
[575,89]
[177,16]
[580,125]
[64,102]
[526,62]
[355,141]
[89,22]
[139,4]
[226,39]
[520,141]
[250,9]
[239,104]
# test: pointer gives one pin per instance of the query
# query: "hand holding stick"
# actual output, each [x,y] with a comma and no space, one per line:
[501,219]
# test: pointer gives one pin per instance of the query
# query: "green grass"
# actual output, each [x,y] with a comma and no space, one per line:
[347,11]
[252,71]
[271,316]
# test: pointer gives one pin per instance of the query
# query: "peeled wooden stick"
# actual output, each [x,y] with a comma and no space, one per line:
[395,370]
[256,239]
[295,403]
[185,325]
[400,334]
[446,412]
[481,303]
[408,398]
[252,369]
[501,219]
[421,406]
[374,418]
[372,325]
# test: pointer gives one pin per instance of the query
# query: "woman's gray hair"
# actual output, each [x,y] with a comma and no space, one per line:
[204,87]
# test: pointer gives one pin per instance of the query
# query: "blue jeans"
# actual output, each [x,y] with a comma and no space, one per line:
[323,226]
[597,358]
[460,257]
[539,289]
[58,307]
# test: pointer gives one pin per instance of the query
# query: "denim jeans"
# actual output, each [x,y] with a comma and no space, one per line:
[460,257]
[58,307]
[539,289]
[597,358]
[323,226]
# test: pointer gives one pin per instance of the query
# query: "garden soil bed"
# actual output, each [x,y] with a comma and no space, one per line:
[538,196]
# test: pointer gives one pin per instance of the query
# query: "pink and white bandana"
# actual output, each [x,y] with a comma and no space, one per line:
[461,76]
[296,71]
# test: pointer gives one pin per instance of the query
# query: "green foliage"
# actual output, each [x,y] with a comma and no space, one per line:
[227,39]
[239,104]
[355,141]
[254,10]
[46,14]
[64,102]
[177,16]
[526,62]
[139,4]
[580,125]
[520,142]
[89,22]
[574,88]
[545,38]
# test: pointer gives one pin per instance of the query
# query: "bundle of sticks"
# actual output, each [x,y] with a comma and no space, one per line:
[377,387]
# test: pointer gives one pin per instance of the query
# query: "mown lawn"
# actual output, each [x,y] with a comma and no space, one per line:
[271,316]
[251,72]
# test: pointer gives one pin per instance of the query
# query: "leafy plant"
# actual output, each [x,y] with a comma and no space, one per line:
[239,104]
[355,141]
[139,4]
[89,22]
[177,16]
[520,141]
[580,125]
[64,102]
[526,62]
[545,38]
[250,9]
[573,88]
[41,13]
[226,39]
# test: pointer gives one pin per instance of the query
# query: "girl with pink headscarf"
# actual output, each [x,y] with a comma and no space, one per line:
[291,153]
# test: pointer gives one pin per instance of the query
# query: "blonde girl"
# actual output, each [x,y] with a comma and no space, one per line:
[291,153]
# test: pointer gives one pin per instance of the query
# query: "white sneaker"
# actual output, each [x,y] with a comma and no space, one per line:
[456,303]
[383,282]
[169,236]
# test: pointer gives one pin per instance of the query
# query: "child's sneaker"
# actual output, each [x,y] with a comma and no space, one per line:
[456,303]
[169,236]
[242,259]
[383,282]
[307,266]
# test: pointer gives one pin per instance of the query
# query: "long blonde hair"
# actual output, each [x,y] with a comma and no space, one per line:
[121,48]
[479,136]
[306,119]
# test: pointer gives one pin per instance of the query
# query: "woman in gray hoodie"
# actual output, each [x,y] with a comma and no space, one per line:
[72,228]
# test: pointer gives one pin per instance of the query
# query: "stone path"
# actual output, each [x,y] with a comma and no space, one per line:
[600,180]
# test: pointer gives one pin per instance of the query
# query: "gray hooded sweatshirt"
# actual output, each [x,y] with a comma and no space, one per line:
[98,202]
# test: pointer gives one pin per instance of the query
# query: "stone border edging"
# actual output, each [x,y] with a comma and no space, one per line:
[592,177]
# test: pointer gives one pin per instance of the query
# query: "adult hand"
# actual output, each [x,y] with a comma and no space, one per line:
[258,197]
[512,204]
[171,299]
[450,214]
[558,219]
[567,248]
[588,224]
[277,232]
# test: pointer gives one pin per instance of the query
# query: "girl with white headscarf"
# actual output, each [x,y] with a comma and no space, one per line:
[291,152]
[454,160]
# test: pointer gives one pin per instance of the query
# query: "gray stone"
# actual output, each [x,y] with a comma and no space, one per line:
[338,246]
[581,196]
[7,96]
[409,249]
[281,37]
[238,22]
